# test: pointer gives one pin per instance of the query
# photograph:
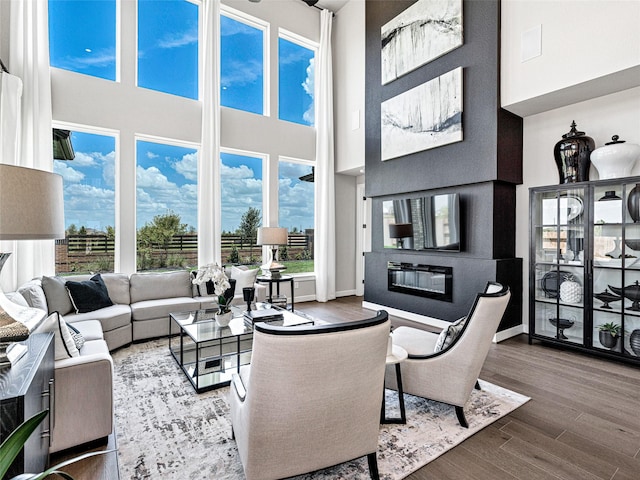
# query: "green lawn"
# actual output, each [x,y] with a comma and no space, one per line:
[298,266]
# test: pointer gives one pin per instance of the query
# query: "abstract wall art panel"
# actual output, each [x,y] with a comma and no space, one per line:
[423,32]
[427,116]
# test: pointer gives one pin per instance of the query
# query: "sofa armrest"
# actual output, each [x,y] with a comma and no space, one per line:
[83,400]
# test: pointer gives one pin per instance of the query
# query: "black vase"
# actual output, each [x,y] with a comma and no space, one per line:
[573,156]
[633,203]
[607,340]
[634,342]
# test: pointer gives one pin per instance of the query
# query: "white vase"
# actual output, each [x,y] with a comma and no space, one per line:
[223,319]
[615,159]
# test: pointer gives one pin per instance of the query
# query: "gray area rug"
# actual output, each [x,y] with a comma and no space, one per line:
[166,430]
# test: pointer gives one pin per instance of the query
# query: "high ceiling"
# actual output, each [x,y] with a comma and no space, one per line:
[333,5]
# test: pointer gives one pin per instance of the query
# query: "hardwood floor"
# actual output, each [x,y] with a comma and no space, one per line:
[582,422]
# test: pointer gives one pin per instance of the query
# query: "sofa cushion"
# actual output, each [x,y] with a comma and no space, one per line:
[57,295]
[65,346]
[89,295]
[112,317]
[244,278]
[17,298]
[33,293]
[153,286]
[159,308]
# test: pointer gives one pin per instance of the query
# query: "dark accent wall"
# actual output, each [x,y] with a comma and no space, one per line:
[484,168]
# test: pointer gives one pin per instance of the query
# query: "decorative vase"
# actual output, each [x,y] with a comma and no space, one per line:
[615,159]
[633,203]
[572,155]
[634,342]
[223,319]
[607,340]
[570,290]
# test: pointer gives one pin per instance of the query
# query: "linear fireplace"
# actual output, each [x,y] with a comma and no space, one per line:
[422,280]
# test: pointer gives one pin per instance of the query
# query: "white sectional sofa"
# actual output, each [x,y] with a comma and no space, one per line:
[142,302]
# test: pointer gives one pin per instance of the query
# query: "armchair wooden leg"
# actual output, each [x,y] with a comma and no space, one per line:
[233,434]
[461,417]
[478,385]
[373,466]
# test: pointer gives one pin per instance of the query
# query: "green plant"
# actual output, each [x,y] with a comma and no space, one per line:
[11,447]
[613,328]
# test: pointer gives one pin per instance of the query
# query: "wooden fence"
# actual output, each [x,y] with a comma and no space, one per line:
[95,252]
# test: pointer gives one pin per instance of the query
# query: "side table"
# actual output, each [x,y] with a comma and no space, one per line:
[398,355]
[277,281]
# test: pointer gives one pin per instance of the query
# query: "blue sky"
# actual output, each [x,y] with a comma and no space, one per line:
[82,37]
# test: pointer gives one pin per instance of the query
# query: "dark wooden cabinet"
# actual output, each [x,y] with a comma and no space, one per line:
[26,388]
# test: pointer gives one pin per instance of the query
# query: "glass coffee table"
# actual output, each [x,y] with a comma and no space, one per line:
[209,354]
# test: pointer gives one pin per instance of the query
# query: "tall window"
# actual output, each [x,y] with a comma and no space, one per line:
[166,205]
[242,63]
[241,207]
[296,213]
[168,46]
[89,205]
[296,64]
[82,36]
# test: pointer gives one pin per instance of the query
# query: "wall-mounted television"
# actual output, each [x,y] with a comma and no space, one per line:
[427,222]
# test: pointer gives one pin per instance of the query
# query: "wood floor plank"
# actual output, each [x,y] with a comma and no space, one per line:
[594,464]
[614,435]
[549,462]
[628,465]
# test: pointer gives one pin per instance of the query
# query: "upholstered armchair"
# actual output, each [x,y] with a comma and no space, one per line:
[310,398]
[449,373]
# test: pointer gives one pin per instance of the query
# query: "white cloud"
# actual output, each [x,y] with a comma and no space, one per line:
[101,58]
[188,166]
[240,191]
[83,159]
[238,73]
[69,174]
[176,40]
[150,154]
[309,87]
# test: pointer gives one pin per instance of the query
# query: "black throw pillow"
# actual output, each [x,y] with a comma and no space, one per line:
[89,295]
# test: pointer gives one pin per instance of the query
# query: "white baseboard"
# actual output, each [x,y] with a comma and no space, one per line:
[508,333]
[434,322]
[305,298]
[346,293]
[430,321]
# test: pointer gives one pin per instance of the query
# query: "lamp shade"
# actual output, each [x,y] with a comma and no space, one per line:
[272,236]
[31,204]
[400,230]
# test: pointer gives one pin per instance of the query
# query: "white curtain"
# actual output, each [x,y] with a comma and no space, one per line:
[209,210]
[325,239]
[29,60]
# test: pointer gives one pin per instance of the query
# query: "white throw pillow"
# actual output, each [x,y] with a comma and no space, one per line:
[244,278]
[65,346]
[449,334]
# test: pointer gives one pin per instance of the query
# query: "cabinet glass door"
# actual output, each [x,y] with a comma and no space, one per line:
[558,221]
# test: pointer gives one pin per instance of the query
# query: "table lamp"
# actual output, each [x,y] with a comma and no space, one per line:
[400,231]
[31,208]
[272,237]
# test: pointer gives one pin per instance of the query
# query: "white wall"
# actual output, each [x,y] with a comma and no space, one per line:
[349,92]
[588,48]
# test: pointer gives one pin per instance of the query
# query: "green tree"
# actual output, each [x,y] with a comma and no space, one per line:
[72,229]
[111,232]
[158,234]
[248,228]
[82,231]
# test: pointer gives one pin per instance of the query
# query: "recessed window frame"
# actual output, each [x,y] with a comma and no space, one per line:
[306,43]
[199,61]
[107,132]
[265,26]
